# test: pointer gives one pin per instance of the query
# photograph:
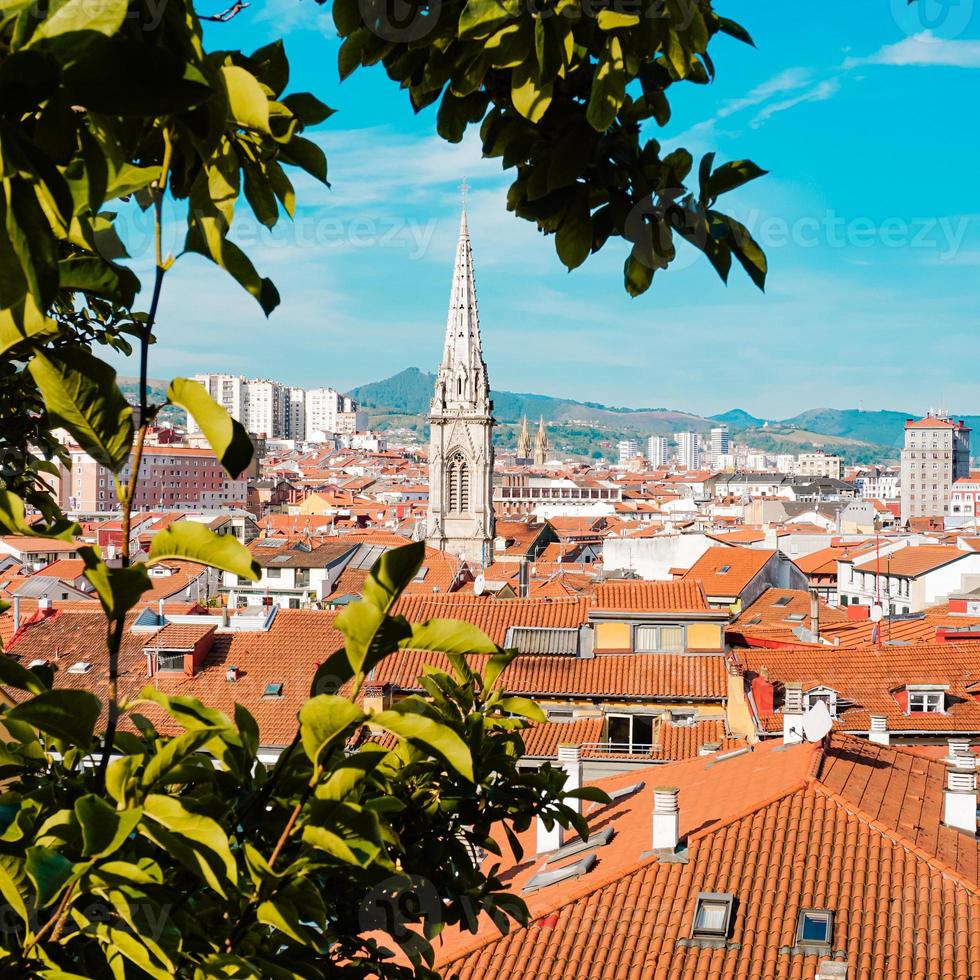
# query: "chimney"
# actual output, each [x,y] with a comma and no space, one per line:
[815,615]
[548,840]
[225,618]
[960,798]
[665,818]
[45,606]
[231,674]
[878,732]
[959,748]
[570,759]
[792,713]
[16,613]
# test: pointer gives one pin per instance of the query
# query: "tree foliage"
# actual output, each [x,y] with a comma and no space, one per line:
[562,90]
[152,838]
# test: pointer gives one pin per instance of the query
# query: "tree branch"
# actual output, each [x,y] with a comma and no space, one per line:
[225,15]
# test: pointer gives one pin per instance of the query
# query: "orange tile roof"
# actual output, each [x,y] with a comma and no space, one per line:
[629,595]
[678,742]
[869,676]
[919,558]
[775,606]
[743,566]
[769,828]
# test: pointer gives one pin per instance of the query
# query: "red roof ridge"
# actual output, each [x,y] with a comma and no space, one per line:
[894,835]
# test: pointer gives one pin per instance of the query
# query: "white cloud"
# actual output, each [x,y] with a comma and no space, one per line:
[818,93]
[924,50]
[785,81]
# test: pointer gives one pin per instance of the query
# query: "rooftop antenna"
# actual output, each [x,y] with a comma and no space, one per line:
[817,722]
[464,188]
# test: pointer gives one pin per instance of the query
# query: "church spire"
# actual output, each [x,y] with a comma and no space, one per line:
[524,441]
[541,447]
[463,373]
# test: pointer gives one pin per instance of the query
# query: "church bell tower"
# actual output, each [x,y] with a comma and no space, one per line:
[459,519]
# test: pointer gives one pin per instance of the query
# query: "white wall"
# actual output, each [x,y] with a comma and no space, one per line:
[652,558]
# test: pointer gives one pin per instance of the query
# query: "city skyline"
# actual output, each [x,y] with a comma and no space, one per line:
[846,238]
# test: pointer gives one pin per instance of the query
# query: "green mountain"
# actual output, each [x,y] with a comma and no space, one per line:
[858,436]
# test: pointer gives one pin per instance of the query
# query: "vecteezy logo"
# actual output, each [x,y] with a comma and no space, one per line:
[397,904]
[944,18]
[400,20]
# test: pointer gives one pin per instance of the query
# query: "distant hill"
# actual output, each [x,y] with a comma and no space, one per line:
[410,391]
[857,435]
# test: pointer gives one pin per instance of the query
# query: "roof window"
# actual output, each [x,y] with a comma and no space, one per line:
[724,569]
[82,667]
[273,690]
[712,915]
[783,600]
[545,878]
[816,928]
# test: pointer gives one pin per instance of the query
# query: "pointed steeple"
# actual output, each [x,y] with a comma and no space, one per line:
[463,373]
[524,441]
[541,447]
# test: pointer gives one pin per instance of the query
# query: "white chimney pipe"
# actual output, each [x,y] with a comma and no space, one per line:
[879,733]
[570,759]
[960,798]
[792,714]
[548,840]
[665,818]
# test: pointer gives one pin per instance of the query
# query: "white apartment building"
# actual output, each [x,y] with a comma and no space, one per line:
[658,451]
[629,449]
[936,455]
[229,391]
[818,464]
[879,484]
[324,406]
[719,445]
[266,412]
[688,450]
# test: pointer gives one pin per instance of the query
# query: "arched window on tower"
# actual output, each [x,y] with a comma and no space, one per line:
[458,484]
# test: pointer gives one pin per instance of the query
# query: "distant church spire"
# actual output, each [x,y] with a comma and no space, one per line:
[524,441]
[541,447]
[460,512]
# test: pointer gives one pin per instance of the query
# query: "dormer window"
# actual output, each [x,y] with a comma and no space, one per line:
[659,639]
[926,699]
[712,915]
[826,694]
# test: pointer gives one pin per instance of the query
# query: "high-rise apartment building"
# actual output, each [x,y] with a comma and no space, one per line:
[266,411]
[719,444]
[295,423]
[629,449]
[658,451]
[688,450]
[936,454]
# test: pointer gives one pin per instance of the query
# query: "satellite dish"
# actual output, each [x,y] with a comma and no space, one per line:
[479,585]
[875,614]
[817,722]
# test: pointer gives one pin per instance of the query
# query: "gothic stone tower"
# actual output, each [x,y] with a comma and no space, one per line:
[460,512]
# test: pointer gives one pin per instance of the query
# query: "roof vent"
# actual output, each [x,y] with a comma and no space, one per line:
[792,713]
[960,798]
[81,667]
[231,674]
[38,662]
[665,818]
[878,732]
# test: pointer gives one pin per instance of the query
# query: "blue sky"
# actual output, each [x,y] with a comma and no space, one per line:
[864,113]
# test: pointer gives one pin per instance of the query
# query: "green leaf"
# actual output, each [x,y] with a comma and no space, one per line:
[49,871]
[12,896]
[12,674]
[610,20]
[94,275]
[481,18]
[203,844]
[103,827]
[637,275]
[65,714]
[24,321]
[248,105]
[496,666]
[530,98]
[306,154]
[430,734]
[731,175]
[323,719]
[573,240]
[104,16]
[524,707]
[13,517]
[119,589]
[748,252]
[449,636]
[226,436]
[310,110]
[735,30]
[81,395]
[391,574]
[608,87]
[192,541]
[369,633]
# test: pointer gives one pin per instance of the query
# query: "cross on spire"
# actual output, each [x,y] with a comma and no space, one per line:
[463,189]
